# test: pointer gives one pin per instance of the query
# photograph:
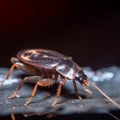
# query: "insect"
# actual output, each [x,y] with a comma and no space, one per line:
[44,66]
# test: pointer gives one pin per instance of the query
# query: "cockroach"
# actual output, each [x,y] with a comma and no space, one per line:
[44,66]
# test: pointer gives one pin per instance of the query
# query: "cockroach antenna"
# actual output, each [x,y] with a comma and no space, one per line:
[108,98]
[113,116]
[105,95]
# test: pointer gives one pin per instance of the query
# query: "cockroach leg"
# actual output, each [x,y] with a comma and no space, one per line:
[15,93]
[29,79]
[9,73]
[76,90]
[19,65]
[32,95]
[44,82]
[62,82]
[11,70]
[106,96]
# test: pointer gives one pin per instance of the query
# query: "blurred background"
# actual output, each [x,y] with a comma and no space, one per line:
[89,31]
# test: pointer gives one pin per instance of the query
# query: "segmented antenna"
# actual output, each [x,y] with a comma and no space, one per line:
[106,96]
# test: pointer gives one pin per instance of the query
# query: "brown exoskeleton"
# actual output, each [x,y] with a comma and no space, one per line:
[44,67]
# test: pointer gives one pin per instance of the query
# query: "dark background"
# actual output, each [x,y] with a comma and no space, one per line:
[87,31]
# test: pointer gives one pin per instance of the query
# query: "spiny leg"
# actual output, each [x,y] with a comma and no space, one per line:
[62,82]
[29,79]
[9,74]
[43,82]
[17,65]
[24,67]
[76,90]
[26,79]
[32,95]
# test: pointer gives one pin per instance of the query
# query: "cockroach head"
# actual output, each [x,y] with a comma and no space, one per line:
[81,77]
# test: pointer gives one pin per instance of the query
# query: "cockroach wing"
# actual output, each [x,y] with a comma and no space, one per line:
[67,68]
[40,58]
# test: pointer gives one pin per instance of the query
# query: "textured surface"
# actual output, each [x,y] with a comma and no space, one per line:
[107,79]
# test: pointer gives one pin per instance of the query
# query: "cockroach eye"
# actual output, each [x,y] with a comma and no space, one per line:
[81,77]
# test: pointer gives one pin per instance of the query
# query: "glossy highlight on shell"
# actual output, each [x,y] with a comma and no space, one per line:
[37,54]
[43,67]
